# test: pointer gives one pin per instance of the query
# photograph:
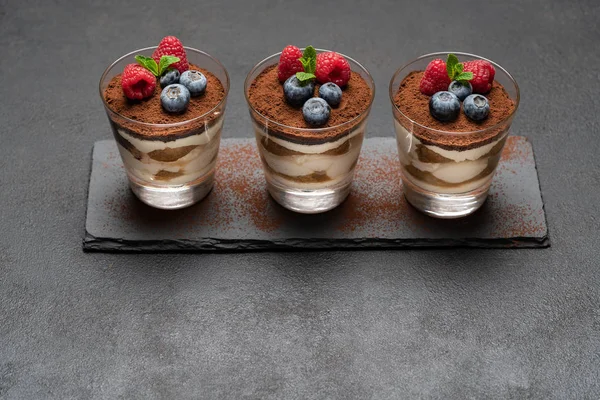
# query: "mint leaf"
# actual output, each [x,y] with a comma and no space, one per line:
[464,76]
[459,68]
[309,60]
[305,77]
[165,62]
[309,52]
[148,63]
[451,64]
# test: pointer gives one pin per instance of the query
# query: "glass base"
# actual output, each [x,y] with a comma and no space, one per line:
[172,197]
[310,201]
[445,205]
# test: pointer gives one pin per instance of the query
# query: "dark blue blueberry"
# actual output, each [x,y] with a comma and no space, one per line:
[444,106]
[316,111]
[296,94]
[461,89]
[476,107]
[175,98]
[331,93]
[169,78]
[194,81]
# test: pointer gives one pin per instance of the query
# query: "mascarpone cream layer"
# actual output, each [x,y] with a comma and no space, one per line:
[407,143]
[308,185]
[146,146]
[459,188]
[261,130]
[192,166]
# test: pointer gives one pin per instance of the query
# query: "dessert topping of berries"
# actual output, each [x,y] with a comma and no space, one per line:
[444,106]
[439,74]
[194,81]
[175,98]
[483,75]
[170,77]
[289,63]
[137,82]
[296,93]
[461,89]
[316,111]
[331,93]
[333,67]
[171,46]
[476,107]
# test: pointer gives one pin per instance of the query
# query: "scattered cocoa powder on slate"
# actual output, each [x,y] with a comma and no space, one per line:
[150,110]
[266,96]
[415,105]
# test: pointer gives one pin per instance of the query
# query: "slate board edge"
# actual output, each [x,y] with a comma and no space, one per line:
[96,244]
[537,174]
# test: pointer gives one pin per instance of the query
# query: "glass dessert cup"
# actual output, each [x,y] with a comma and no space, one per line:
[308,170]
[447,174]
[169,165]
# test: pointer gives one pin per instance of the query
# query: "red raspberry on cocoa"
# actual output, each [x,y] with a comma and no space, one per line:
[137,82]
[171,46]
[435,78]
[332,67]
[289,63]
[483,75]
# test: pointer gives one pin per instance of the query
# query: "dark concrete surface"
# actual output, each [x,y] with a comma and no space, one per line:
[375,214]
[449,323]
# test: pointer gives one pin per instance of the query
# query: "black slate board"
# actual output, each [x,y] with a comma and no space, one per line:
[239,215]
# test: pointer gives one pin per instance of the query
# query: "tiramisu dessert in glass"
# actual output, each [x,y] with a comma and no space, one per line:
[166,108]
[452,113]
[309,112]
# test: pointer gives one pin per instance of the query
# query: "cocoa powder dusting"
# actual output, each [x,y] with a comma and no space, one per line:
[415,105]
[266,96]
[150,110]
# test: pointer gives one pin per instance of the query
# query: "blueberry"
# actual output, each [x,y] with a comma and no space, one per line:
[169,78]
[194,81]
[175,98]
[296,94]
[331,93]
[316,111]
[476,107]
[460,89]
[444,106]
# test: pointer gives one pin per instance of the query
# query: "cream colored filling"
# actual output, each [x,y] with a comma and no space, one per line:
[409,142]
[459,188]
[192,166]
[468,164]
[261,130]
[146,146]
[334,166]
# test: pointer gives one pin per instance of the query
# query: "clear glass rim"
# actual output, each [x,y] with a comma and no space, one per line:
[174,124]
[458,53]
[347,123]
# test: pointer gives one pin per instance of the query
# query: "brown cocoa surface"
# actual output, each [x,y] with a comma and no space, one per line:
[266,96]
[415,105]
[150,110]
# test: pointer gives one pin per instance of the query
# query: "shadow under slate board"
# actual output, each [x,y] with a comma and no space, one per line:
[239,215]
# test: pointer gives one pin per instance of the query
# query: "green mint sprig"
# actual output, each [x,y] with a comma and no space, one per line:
[309,62]
[156,69]
[455,70]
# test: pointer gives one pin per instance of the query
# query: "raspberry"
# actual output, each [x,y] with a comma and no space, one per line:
[171,46]
[332,67]
[435,78]
[289,63]
[483,75]
[137,82]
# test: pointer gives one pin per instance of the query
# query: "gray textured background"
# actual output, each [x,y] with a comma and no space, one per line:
[378,324]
